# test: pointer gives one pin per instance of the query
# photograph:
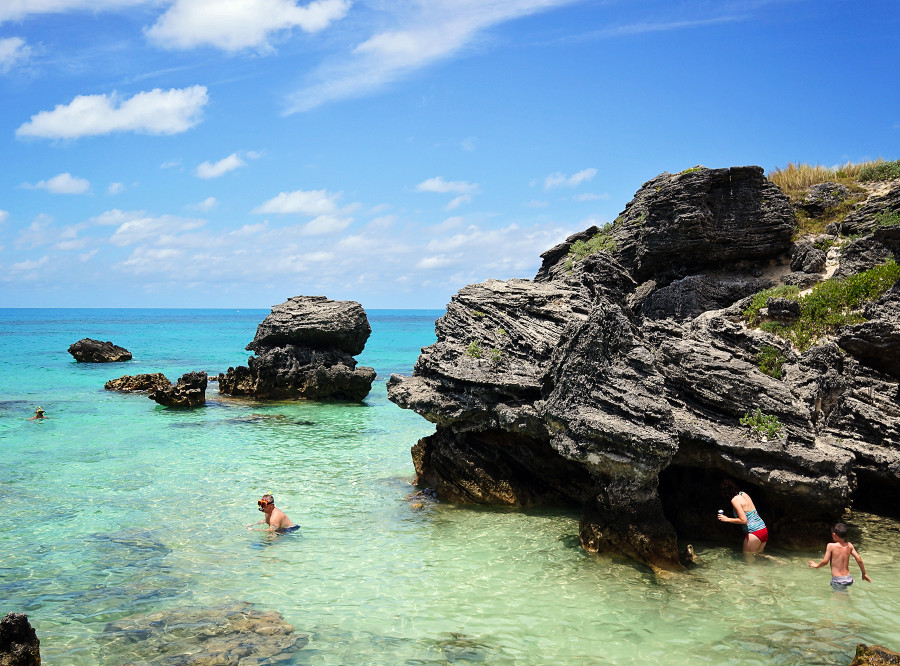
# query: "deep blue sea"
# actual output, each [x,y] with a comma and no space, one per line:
[115,510]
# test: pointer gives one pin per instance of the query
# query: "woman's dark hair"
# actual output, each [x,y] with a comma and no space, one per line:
[729,489]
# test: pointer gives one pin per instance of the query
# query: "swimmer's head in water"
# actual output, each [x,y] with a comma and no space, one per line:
[266,501]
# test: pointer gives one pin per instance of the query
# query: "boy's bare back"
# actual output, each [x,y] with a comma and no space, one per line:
[840,557]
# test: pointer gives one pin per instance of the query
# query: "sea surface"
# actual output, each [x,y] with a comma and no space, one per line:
[116,512]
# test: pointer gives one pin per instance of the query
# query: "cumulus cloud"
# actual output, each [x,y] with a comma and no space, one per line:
[152,112]
[303,202]
[555,180]
[442,186]
[417,35]
[209,170]
[137,227]
[326,224]
[64,183]
[458,201]
[207,204]
[13,50]
[115,188]
[240,24]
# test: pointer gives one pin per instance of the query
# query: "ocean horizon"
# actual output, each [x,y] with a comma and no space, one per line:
[117,513]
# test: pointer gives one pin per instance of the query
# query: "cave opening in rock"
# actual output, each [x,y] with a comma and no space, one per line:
[871,491]
[691,498]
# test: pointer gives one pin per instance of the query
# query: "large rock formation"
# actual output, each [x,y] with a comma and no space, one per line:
[617,381]
[19,644]
[304,350]
[188,392]
[88,350]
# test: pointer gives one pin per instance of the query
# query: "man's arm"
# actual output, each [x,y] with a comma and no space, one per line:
[862,567]
[250,526]
[825,560]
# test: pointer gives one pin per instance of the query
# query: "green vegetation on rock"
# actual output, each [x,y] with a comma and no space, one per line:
[829,306]
[474,350]
[599,241]
[880,170]
[887,218]
[770,361]
[762,425]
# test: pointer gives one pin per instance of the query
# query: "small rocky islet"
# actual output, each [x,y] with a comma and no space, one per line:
[304,351]
[695,338]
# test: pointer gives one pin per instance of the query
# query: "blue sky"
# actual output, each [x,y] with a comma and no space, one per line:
[213,153]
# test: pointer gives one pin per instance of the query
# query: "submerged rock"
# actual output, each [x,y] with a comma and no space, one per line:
[188,392]
[232,634]
[88,350]
[617,382]
[874,655]
[304,350]
[134,383]
[19,644]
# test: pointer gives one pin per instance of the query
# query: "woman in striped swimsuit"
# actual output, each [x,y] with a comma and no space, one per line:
[755,533]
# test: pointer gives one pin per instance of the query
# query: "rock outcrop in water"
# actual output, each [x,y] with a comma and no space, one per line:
[88,350]
[135,383]
[304,350]
[19,644]
[617,379]
[188,392]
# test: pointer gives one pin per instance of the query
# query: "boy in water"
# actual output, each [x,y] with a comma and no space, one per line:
[838,553]
[276,519]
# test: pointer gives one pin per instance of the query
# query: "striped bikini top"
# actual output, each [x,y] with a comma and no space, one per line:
[754,522]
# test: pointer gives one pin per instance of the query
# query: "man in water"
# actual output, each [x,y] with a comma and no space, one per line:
[276,519]
[38,414]
[839,553]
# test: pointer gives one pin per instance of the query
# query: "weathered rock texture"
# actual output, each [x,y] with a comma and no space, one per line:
[305,349]
[134,383]
[19,644]
[875,655]
[88,350]
[617,382]
[233,634]
[188,392]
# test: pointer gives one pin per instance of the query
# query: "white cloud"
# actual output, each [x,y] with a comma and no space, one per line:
[417,34]
[588,196]
[115,188]
[458,201]
[557,179]
[209,170]
[29,265]
[64,183]
[304,202]
[135,227]
[207,204]
[13,50]
[4,216]
[438,261]
[240,24]
[326,224]
[153,112]
[442,186]
[534,203]
[17,9]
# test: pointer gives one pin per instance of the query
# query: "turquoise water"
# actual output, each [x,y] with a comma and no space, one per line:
[115,507]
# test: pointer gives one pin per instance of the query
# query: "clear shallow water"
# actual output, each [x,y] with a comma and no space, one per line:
[115,507]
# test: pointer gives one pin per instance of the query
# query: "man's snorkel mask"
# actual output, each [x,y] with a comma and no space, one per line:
[265,503]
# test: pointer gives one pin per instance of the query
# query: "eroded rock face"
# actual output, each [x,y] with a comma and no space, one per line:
[135,383]
[88,350]
[304,350]
[188,392]
[19,644]
[617,382]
